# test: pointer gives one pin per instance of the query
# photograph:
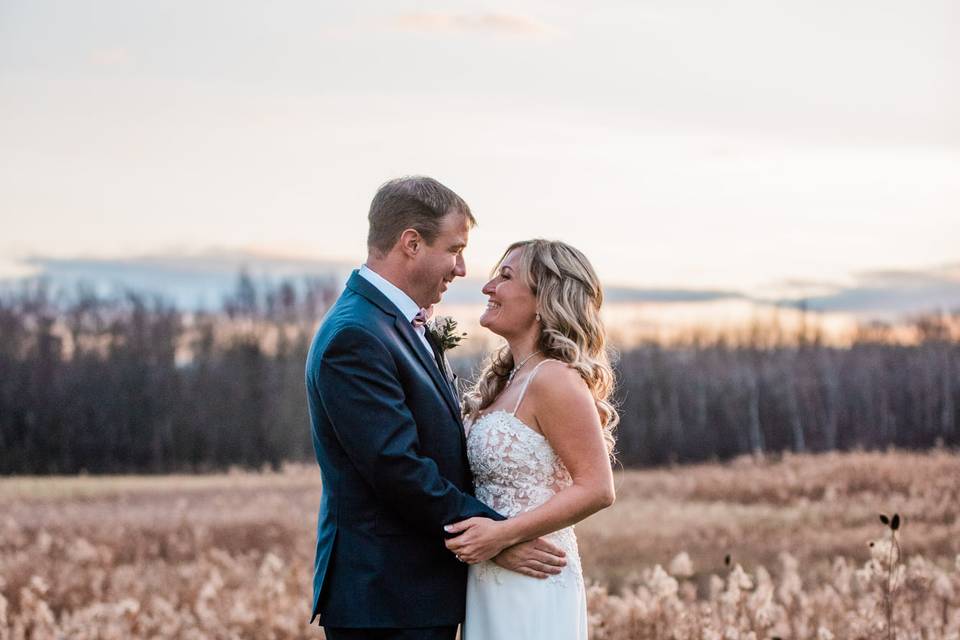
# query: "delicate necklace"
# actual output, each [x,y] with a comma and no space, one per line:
[513,371]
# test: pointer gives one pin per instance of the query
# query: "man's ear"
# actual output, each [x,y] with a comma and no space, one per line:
[411,243]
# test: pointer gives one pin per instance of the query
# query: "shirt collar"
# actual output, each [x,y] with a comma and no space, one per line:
[403,302]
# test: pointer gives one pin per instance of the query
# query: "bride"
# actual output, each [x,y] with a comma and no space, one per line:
[539,440]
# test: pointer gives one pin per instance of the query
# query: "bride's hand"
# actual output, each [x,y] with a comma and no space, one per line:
[476,539]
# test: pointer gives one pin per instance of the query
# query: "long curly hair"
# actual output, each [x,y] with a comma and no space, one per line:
[569,296]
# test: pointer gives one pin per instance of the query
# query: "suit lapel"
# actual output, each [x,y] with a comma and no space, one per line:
[442,363]
[445,373]
[362,286]
[429,363]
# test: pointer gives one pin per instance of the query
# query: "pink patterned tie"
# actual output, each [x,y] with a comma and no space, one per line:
[420,319]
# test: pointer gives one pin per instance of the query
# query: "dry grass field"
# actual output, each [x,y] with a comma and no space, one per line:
[230,556]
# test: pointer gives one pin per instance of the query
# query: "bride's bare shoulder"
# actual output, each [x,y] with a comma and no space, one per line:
[562,402]
[556,379]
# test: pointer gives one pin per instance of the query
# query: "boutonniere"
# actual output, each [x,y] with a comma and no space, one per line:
[443,330]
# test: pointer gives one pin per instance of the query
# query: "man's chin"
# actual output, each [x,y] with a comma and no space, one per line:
[429,300]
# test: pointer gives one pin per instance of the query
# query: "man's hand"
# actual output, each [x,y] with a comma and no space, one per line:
[535,558]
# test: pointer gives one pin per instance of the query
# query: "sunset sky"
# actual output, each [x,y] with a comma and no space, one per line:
[770,148]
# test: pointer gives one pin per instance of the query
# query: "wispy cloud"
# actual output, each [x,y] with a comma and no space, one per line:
[203,278]
[631,294]
[500,23]
[889,292]
[111,57]
[208,275]
[229,261]
[190,279]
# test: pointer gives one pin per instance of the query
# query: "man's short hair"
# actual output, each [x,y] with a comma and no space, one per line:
[411,202]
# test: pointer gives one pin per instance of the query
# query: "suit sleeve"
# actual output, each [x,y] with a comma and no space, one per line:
[361,394]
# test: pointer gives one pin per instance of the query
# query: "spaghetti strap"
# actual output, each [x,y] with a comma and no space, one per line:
[526,383]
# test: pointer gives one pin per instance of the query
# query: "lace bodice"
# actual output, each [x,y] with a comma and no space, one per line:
[515,470]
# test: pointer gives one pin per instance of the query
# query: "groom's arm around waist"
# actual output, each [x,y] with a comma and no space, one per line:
[358,385]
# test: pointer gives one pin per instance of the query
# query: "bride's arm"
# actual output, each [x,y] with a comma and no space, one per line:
[567,415]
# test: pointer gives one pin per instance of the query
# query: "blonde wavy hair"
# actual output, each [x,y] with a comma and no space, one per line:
[569,296]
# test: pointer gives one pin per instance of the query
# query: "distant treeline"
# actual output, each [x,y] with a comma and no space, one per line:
[700,402]
[130,383]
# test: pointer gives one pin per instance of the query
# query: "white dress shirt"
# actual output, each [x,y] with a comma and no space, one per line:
[405,303]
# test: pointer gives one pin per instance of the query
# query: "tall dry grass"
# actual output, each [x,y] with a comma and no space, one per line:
[230,556]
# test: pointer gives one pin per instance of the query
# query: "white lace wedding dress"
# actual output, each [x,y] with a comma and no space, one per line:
[515,470]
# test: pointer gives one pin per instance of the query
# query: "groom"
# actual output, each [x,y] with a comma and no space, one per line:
[388,435]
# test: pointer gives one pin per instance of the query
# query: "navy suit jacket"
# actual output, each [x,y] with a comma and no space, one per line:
[390,443]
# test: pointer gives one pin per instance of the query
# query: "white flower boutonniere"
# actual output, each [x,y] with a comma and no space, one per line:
[443,330]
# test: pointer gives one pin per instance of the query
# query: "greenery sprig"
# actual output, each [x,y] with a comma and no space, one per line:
[443,329]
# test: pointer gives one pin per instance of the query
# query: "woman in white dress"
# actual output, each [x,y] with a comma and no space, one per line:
[539,440]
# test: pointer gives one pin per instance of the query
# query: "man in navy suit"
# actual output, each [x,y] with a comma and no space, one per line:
[388,434]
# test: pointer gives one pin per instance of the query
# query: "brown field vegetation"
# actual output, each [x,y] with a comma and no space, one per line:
[230,555]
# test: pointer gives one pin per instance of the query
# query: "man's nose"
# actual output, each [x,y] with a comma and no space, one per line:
[461,269]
